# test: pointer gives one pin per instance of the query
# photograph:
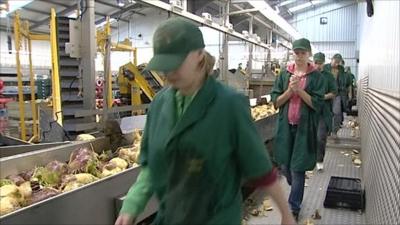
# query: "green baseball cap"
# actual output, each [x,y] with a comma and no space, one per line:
[337,56]
[319,57]
[172,42]
[303,44]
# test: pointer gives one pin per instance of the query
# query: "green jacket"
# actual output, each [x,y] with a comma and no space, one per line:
[299,153]
[352,79]
[329,87]
[197,164]
[342,80]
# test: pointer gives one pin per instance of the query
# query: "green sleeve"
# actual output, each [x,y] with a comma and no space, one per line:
[317,92]
[277,90]
[349,80]
[353,80]
[332,87]
[139,194]
[250,152]
[144,145]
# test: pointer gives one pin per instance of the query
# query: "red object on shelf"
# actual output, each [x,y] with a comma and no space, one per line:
[3,101]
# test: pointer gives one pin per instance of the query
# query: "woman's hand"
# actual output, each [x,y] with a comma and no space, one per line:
[294,84]
[125,219]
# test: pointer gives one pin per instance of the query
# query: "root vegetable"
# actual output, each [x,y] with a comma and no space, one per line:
[7,205]
[121,163]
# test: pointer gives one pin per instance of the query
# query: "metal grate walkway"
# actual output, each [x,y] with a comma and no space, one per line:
[337,162]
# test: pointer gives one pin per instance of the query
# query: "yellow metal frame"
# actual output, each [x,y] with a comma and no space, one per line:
[17,40]
[56,90]
[103,39]
[21,32]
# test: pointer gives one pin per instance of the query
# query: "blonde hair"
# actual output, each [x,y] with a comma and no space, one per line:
[207,63]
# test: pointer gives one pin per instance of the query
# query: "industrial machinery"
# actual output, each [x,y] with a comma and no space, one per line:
[137,85]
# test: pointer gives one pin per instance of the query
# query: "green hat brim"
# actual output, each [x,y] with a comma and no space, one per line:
[166,62]
[319,61]
[301,48]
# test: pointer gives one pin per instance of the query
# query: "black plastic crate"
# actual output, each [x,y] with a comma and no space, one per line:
[344,192]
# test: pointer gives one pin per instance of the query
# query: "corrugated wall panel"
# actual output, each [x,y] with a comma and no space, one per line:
[339,35]
[346,49]
[341,26]
[379,45]
[379,107]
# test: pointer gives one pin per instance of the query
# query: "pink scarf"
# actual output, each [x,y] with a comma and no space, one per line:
[295,101]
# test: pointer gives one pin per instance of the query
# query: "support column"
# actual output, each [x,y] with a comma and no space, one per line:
[224,55]
[88,53]
[251,46]
[184,5]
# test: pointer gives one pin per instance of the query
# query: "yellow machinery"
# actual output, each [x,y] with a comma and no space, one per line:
[132,81]
[21,32]
[105,46]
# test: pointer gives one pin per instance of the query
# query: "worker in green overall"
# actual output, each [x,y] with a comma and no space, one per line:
[337,70]
[353,85]
[199,144]
[298,93]
[325,121]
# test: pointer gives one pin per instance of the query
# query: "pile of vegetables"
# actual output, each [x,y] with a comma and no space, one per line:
[84,166]
[262,111]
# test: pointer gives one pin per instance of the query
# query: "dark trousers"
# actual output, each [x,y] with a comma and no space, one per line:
[337,113]
[322,136]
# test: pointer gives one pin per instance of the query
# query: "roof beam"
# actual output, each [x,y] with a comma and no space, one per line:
[35,10]
[62,12]
[109,4]
[243,11]
[56,3]
[66,11]
[120,12]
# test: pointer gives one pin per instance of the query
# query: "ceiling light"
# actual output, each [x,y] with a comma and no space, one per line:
[13,5]
[272,15]
[73,14]
[305,5]
[120,3]
[112,20]
[286,2]
[277,9]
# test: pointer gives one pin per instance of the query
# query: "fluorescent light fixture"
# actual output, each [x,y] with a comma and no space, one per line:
[277,9]
[14,5]
[286,2]
[305,5]
[72,14]
[272,15]
[112,20]
[120,3]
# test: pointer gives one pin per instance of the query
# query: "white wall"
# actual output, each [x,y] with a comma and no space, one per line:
[339,35]
[379,45]
[40,53]
[379,109]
